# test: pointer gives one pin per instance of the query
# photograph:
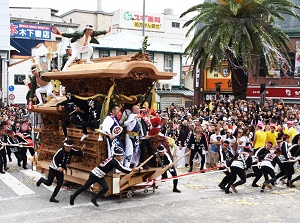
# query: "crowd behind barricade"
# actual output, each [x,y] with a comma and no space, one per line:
[220,134]
[237,134]
[15,136]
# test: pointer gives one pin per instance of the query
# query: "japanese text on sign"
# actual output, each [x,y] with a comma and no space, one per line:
[147,25]
[30,31]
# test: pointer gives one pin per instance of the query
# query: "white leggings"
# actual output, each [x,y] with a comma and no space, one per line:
[75,51]
[44,89]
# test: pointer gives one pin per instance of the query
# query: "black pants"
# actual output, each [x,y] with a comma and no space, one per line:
[289,171]
[59,178]
[1,162]
[256,173]
[295,179]
[93,179]
[266,172]
[86,124]
[3,158]
[172,171]
[24,156]
[8,152]
[226,179]
[146,144]
[19,157]
[193,153]
[31,150]
[283,172]
[72,119]
[236,171]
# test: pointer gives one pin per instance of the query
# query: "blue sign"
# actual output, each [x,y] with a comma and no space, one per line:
[11,88]
[30,31]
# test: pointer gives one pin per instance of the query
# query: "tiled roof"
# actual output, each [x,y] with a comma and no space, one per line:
[176,91]
[130,41]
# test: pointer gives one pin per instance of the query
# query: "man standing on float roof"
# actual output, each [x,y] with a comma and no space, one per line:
[80,42]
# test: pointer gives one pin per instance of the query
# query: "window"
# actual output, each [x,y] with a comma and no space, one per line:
[188,104]
[104,53]
[175,25]
[119,53]
[19,79]
[151,55]
[70,20]
[168,65]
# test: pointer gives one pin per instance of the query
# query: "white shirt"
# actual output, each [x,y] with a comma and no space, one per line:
[214,137]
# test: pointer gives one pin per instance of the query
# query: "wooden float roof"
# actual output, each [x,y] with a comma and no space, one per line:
[112,67]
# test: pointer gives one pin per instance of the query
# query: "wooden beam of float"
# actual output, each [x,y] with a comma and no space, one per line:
[98,77]
[112,67]
[131,77]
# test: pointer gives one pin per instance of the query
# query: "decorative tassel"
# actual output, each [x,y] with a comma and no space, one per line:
[105,105]
[90,97]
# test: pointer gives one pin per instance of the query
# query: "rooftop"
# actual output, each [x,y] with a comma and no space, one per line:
[129,41]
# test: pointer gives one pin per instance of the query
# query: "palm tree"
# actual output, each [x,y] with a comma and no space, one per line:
[244,33]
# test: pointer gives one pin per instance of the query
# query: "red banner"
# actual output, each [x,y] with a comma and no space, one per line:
[275,92]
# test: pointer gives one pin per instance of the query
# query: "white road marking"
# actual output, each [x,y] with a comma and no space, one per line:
[16,185]
[36,176]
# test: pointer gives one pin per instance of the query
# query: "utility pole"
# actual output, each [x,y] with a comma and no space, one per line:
[144,9]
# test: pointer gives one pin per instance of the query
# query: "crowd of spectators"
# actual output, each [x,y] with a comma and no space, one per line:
[233,121]
[16,118]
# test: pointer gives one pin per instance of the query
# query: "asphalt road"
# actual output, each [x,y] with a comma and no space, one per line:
[200,201]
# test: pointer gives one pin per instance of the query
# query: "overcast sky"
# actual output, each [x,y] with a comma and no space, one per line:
[152,6]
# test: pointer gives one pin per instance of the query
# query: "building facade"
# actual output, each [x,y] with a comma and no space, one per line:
[283,84]
[165,35]
[4,50]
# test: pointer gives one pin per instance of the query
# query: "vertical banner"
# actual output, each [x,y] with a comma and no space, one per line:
[262,94]
[197,76]
[297,60]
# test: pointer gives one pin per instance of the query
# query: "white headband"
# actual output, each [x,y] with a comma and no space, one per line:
[89,27]
[35,69]
[65,144]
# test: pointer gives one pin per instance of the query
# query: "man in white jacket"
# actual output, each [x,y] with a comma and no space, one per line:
[132,137]
[111,127]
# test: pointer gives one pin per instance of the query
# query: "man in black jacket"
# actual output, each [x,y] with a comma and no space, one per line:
[59,163]
[98,175]
[73,113]
[93,120]
[163,159]
[15,144]
[225,157]
[255,159]
[238,166]
[3,159]
[198,144]
[267,167]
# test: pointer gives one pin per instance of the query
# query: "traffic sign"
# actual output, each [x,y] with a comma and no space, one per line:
[11,97]
[11,88]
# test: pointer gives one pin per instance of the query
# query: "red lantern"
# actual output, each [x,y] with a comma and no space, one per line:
[30,105]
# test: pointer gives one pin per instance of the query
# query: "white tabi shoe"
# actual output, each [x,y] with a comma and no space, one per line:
[84,137]
[89,62]
[100,138]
